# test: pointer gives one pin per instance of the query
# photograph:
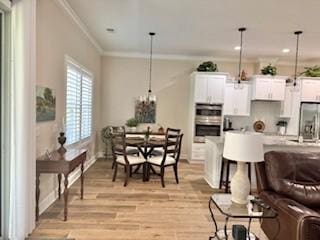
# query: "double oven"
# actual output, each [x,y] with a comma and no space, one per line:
[208,120]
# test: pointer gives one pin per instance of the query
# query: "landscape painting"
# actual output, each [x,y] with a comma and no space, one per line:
[145,112]
[46,104]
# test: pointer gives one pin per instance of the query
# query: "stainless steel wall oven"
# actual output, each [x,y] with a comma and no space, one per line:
[207,121]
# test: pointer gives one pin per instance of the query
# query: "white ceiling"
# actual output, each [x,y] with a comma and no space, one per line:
[204,27]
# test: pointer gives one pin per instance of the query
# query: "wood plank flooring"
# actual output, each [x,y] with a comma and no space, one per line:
[140,211]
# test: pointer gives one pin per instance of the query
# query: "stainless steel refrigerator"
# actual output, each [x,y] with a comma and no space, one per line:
[310,121]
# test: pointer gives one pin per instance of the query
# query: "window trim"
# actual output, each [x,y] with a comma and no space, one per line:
[69,60]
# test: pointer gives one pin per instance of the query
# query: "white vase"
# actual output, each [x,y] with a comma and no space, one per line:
[240,185]
[132,129]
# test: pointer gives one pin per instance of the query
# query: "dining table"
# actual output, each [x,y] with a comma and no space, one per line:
[146,148]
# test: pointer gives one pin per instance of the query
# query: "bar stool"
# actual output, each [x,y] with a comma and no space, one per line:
[226,181]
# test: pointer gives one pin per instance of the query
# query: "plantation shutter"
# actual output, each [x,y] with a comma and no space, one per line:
[86,113]
[78,104]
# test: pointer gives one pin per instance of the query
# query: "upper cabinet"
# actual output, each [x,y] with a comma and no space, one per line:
[310,90]
[269,88]
[209,87]
[291,103]
[237,100]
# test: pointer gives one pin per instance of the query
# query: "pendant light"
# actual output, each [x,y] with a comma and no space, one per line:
[150,97]
[297,33]
[241,30]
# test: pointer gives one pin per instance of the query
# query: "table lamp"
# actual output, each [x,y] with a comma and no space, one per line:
[242,147]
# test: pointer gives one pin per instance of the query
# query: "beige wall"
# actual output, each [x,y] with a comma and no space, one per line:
[124,79]
[57,36]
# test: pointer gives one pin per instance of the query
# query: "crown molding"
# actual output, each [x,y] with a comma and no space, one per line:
[66,6]
[181,57]
[176,57]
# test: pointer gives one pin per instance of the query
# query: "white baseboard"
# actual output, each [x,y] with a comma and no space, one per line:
[100,154]
[214,186]
[74,176]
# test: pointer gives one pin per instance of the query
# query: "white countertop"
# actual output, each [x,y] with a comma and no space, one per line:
[273,140]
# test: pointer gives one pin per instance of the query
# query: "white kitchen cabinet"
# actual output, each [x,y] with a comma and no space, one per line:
[286,104]
[268,88]
[216,85]
[237,99]
[310,91]
[201,89]
[278,89]
[198,151]
[209,88]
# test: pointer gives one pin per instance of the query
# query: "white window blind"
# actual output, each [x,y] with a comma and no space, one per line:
[78,104]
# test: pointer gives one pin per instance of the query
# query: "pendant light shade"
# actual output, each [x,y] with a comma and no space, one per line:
[241,30]
[297,33]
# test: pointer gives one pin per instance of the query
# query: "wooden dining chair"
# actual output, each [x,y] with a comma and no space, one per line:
[121,129]
[171,154]
[121,157]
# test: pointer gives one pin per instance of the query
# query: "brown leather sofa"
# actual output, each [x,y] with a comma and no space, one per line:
[289,182]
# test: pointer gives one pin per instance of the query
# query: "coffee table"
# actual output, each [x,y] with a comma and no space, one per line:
[228,209]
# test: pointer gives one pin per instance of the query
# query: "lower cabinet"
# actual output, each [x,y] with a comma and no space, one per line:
[198,152]
[212,163]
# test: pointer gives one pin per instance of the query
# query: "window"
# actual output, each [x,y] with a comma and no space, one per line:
[78,103]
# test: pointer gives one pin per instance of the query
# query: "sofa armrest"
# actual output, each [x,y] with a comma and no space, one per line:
[310,228]
[262,182]
[294,221]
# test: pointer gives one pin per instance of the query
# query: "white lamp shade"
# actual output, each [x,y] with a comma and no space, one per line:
[243,146]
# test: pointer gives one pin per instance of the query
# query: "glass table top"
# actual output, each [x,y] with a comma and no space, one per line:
[228,208]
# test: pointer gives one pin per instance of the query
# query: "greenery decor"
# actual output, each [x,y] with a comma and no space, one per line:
[312,71]
[269,70]
[207,67]
[132,122]
[105,137]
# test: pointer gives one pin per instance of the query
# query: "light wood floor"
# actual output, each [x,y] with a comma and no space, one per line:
[142,210]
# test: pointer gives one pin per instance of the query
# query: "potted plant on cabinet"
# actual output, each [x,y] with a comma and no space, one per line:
[269,70]
[312,71]
[132,124]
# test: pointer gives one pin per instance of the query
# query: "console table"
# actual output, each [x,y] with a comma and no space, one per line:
[60,163]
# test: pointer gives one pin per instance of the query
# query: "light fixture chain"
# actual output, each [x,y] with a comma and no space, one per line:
[297,56]
[241,30]
[240,61]
[150,66]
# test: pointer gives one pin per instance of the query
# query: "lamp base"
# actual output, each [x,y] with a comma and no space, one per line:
[240,185]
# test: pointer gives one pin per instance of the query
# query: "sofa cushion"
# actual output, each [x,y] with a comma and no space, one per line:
[305,193]
[295,175]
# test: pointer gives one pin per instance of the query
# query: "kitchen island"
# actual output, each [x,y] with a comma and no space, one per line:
[214,150]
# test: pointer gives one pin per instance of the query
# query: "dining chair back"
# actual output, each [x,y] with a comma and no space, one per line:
[118,143]
[171,147]
[120,153]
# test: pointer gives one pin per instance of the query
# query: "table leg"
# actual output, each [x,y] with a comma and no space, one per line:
[137,169]
[66,193]
[214,221]
[249,226]
[144,174]
[226,228]
[37,195]
[82,178]
[59,187]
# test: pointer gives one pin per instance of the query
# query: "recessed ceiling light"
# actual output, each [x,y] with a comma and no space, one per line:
[237,48]
[110,30]
[285,50]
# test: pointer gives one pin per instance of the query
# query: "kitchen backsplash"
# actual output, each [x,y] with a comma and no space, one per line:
[269,113]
